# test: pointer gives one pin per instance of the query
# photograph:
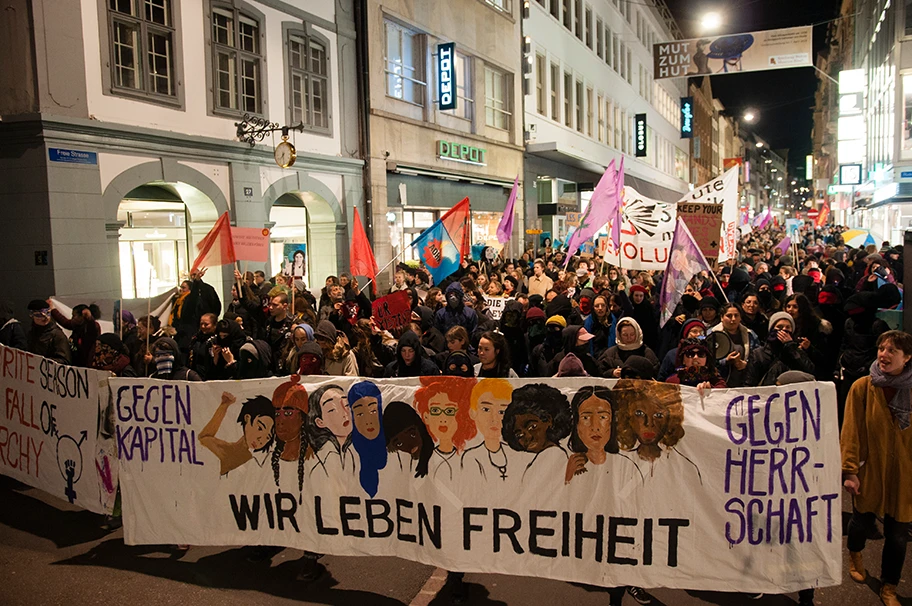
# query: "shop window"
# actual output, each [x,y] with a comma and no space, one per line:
[152,247]
[308,78]
[484,228]
[237,59]
[141,47]
[404,64]
[497,99]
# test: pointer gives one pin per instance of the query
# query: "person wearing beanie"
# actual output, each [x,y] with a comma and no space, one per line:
[779,289]
[696,366]
[629,343]
[709,311]
[44,336]
[542,359]
[112,355]
[338,358]
[638,367]
[691,329]
[779,354]
[534,328]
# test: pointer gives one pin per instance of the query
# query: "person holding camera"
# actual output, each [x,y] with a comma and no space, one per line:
[780,353]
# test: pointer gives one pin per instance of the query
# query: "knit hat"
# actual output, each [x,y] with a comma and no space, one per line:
[801,284]
[535,313]
[638,288]
[707,302]
[781,315]
[571,366]
[556,321]
[794,376]
[688,324]
[637,367]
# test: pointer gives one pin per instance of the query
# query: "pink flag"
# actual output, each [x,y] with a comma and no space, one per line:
[684,262]
[783,244]
[765,219]
[603,207]
[615,212]
[505,227]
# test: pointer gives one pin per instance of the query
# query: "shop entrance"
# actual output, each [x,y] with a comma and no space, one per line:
[303,224]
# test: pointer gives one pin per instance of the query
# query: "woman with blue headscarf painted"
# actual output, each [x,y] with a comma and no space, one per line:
[367,434]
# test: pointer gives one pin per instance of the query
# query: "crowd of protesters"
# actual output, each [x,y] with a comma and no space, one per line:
[778,315]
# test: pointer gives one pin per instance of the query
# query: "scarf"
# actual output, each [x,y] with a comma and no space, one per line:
[901,404]
[177,308]
[694,375]
[164,363]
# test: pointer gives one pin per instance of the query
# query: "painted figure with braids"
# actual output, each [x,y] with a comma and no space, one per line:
[291,405]
[368,437]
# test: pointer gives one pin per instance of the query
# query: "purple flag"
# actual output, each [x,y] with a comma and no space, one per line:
[684,262]
[784,244]
[615,212]
[505,227]
[765,219]
[603,207]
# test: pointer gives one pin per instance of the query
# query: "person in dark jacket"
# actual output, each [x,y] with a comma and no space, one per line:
[169,362]
[696,366]
[644,312]
[411,359]
[629,343]
[431,337]
[44,337]
[185,314]
[226,350]
[112,355]
[540,362]
[455,313]
[11,332]
[575,340]
[248,307]
[812,334]
[200,358]
[779,354]
[84,332]
[691,329]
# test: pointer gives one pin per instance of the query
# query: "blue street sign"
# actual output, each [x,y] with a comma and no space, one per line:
[72,156]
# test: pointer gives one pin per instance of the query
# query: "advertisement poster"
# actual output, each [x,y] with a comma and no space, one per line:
[548,478]
[750,52]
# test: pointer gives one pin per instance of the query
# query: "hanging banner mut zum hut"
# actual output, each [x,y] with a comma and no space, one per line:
[496,475]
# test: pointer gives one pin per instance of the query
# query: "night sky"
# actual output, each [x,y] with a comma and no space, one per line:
[783,99]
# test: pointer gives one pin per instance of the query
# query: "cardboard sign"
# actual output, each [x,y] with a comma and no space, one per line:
[251,243]
[392,311]
[496,305]
[737,480]
[705,223]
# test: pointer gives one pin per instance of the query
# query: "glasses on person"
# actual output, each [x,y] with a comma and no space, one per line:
[694,354]
[40,313]
[449,411]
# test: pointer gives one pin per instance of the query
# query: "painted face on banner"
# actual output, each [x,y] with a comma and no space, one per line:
[532,432]
[288,422]
[367,419]
[649,420]
[408,441]
[594,426]
[488,415]
[258,431]
[335,417]
[441,417]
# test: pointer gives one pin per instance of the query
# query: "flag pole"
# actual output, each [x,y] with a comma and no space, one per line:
[382,269]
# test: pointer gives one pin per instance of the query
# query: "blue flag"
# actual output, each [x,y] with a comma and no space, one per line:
[437,251]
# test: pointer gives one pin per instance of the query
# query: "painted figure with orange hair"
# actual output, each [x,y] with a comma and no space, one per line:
[443,403]
[291,405]
[487,403]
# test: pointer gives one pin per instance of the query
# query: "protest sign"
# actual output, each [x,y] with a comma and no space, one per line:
[626,483]
[705,224]
[251,243]
[647,227]
[49,434]
[722,191]
[392,311]
[496,305]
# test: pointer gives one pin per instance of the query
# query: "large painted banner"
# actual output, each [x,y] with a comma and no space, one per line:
[647,227]
[750,52]
[49,429]
[595,481]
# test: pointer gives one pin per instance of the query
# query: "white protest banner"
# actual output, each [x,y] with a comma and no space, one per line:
[596,481]
[722,190]
[733,53]
[647,227]
[49,435]
[496,305]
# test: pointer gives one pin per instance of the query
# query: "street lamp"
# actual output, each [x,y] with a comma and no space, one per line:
[711,22]
[760,144]
[749,116]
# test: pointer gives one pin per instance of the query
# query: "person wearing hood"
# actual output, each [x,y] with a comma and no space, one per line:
[777,288]
[112,355]
[225,350]
[695,366]
[494,357]
[200,356]
[511,326]
[254,360]
[338,358]
[431,337]
[44,337]
[575,340]
[709,311]
[298,337]
[455,312]
[586,295]
[670,333]
[169,362]
[738,282]
[629,343]
[540,361]
[813,335]
[691,329]
[11,332]
[411,359]
[645,314]
[779,354]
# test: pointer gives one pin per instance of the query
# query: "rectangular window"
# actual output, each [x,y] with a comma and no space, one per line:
[238,59]
[541,99]
[568,15]
[555,92]
[555,9]
[580,124]
[142,46]
[599,39]
[609,121]
[629,67]
[568,99]
[588,27]
[497,99]
[308,64]
[590,114]
[465,100]
[601,119]
[501,5]
[404,66]
[623,71]
[578,18]
[624,131]
[614,47]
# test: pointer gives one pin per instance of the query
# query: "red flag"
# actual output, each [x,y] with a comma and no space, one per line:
[217,248]
[362,257]
[824,215]
[456,222]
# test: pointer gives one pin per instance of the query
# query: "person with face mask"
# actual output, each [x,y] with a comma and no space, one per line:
[411,359]
[779,354]
[645,313]
[168,362]
[455,313]
[695,366]
[575,340]
[540,362]
[691,329]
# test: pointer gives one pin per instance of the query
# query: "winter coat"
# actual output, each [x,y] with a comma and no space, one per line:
[773,359]
[11,332]
[422,365]
[250,310]
[734,377]
[431,337]
[614,357]
[459,315]
[179,372]
[568,341]
[82,338]
[49,342]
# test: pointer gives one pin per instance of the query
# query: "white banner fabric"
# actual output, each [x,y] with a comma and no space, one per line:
[721,190]
[49,429]
[588,480]
[647,227]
